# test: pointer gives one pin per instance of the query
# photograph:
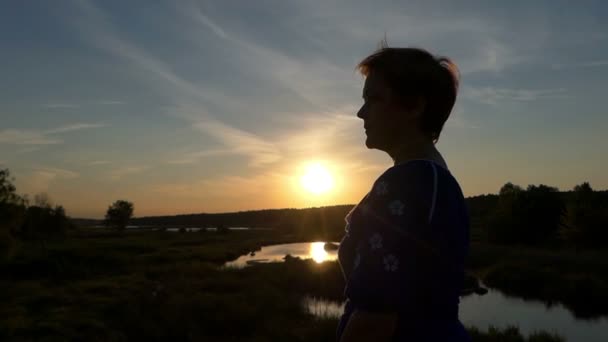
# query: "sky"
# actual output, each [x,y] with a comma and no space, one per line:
[216,106]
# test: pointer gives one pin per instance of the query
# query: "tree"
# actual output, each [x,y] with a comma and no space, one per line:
[119,214]
[587,218]
[509,189]
[42,200]
[12,212]
[44,223]
[8,191]
[528,216]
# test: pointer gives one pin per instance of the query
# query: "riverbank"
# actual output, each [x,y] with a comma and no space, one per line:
[166,286]
[578,279]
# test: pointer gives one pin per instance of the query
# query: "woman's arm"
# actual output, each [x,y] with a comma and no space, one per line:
[366,326]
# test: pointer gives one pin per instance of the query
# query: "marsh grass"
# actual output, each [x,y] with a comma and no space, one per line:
[159,286]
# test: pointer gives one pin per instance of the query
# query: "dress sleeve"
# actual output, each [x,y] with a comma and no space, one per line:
[397,252]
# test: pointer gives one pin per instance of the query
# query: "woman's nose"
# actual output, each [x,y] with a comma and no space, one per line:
[362,113]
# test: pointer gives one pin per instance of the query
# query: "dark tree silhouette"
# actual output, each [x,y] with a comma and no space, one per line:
[587,217]
[119,214]
[528,216]
[12,212]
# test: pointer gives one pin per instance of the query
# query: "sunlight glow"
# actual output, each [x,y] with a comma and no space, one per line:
[317,179]
[318,253]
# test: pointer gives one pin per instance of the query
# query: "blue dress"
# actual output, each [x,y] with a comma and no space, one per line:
[404,252]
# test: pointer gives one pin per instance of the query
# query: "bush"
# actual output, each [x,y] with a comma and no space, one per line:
[44,223]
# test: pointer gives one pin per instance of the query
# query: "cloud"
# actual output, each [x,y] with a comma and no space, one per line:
[185,92]
[589,64]
[74,127]
[26,137]
[29,149]
[60,105]
[38,137]
[234,191]
[316,80]
[194,157]
[122,172]
[206,21]
[238,141]
[99,162]
[41,178]
[494,95]
[110,102]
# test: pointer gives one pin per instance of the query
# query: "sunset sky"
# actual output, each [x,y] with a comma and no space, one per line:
[213,106]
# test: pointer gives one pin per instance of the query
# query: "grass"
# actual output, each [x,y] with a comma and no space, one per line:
[104,286]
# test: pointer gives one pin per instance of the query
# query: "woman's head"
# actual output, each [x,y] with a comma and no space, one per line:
[408,93]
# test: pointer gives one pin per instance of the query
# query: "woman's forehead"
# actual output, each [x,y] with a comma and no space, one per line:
[374,83]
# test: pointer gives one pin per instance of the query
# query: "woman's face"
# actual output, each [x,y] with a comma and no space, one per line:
[381,117]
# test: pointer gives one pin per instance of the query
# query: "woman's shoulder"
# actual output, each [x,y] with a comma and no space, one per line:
[418,177]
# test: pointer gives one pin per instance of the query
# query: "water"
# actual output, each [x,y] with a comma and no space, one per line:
[494,308]
[498,310]
[323,308]
[209,229]
[277,253]
[188,229]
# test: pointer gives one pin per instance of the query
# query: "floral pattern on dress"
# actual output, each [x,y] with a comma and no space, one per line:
[396,207]
[391,263]
[375,241]
[381,188]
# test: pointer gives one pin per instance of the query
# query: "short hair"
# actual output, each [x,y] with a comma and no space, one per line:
[416,72]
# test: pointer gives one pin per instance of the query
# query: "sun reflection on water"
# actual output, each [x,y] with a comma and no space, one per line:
[318,253]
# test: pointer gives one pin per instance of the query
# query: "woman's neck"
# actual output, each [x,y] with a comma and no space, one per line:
[411,151]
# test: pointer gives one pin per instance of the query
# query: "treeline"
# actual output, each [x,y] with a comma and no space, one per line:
[541,214]
[20,219]
[323,223]
[538,214]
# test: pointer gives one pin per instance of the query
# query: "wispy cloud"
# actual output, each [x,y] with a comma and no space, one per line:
[110,102]
[195,157]
[74,127]
[60,105]
[29,149]
[233,190]
[41,178]
[588,64]
[238,141]
[99,162]
[494,95]
[26,137]
[40,137]
[122,172]
[317,81]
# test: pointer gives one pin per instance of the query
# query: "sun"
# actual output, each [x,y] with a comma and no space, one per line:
[318,253]
[317,179]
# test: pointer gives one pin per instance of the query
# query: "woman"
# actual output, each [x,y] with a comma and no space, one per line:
[406,242]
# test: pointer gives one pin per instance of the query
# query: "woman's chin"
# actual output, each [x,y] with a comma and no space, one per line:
[370,143]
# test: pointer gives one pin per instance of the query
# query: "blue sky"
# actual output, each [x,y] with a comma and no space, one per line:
[192,106]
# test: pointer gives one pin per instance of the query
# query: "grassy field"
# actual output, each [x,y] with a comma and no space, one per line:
[100,286]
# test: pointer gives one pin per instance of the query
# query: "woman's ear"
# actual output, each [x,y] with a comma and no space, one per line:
[418,106]
[413,107]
